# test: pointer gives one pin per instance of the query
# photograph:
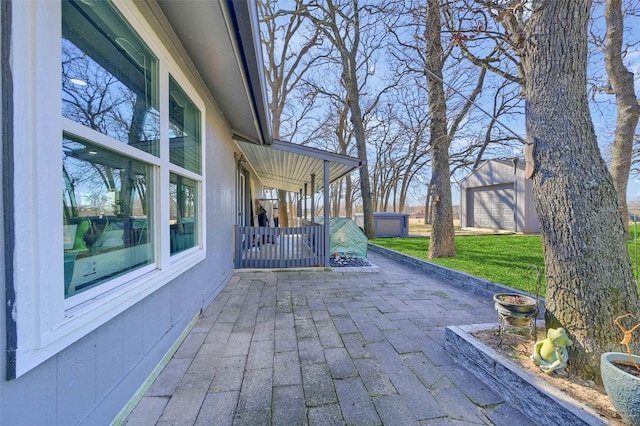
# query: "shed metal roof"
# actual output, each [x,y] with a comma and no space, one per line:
[517,164]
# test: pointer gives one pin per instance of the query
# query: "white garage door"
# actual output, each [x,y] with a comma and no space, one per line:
[491,207]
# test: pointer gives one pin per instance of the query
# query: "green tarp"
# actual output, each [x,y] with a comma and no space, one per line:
[346,238]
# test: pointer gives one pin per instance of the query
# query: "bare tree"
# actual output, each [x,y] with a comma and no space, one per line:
[499,28]
[383,171]
[544,45]
[490,34]
[621,82]
[505,102]
[573,190]
[334,133]
[401,146]
[423,55]
[285,66]
[442,241]
[356,32]
[488,139]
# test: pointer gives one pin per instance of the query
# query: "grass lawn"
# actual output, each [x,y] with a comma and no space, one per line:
[502,259]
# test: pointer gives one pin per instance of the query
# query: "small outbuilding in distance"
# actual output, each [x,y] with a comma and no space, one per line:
[497,196]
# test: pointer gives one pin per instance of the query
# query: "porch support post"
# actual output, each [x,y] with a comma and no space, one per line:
[326,214]
[299,204]
[305,201]
[313,198]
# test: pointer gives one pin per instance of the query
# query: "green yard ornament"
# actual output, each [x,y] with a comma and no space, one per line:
[551,353]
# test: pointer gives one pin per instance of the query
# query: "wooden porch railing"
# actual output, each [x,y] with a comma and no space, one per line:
[265,247]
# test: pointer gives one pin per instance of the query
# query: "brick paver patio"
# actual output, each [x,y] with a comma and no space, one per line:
[327,348]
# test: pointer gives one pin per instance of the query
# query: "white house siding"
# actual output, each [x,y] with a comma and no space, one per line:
[90,381]
[497,196]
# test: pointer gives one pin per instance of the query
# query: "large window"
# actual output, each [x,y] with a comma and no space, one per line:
[185,154]
[112,157]
[108,165]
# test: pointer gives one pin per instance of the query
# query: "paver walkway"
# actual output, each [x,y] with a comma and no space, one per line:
[327,348]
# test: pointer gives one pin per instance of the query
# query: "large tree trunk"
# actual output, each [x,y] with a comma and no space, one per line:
[348,45]
[621,81]
[428,208]
[348,199]
[283,213]
[588,271]
[353,94]
[442,241]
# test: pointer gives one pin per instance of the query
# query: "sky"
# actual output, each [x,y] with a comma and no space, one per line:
[604,119]
[603,109]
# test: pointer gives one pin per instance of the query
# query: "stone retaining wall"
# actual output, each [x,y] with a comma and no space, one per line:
[459,279]
[538,400]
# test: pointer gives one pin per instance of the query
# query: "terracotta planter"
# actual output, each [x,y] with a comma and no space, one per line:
[516,314]
[623,388]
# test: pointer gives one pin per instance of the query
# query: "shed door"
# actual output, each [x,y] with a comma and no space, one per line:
[389,226]
[491,207]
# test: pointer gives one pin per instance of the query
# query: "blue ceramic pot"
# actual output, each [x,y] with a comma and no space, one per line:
[623,388]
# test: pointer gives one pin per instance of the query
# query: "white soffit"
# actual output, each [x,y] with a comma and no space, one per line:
[288,166]
[227,58]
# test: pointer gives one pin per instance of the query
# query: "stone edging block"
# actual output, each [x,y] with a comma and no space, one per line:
[538,400]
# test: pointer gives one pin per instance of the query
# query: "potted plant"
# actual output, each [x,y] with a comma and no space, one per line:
[621,376]
[517,309]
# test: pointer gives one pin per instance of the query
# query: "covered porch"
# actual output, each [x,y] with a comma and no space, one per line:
[269,247]
[297,169]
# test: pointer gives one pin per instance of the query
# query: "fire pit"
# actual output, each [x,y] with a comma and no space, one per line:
[519,310]
[515,309]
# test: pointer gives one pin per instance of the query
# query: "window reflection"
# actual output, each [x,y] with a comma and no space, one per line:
[106,210]
[184,129]
[183,213]
[109,76]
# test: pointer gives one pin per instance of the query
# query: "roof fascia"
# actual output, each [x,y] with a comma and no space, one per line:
[242,17]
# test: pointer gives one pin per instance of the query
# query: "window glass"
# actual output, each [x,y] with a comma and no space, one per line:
[183,222]
[106,211]
[109,76]
[184,129]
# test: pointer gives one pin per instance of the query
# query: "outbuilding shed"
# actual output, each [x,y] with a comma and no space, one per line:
[390,224]
[497,196]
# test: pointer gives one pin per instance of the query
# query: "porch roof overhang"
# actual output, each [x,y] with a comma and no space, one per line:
[222,38]
[288,166]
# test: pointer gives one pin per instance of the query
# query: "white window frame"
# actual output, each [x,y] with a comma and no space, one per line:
[46,322]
